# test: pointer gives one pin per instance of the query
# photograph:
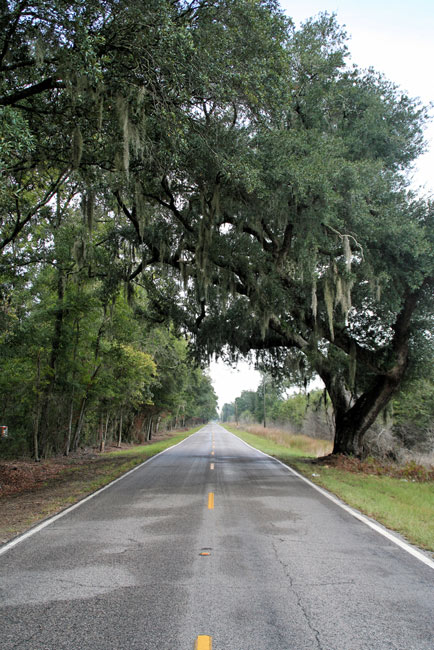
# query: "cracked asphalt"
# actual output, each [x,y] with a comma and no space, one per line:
[287,569]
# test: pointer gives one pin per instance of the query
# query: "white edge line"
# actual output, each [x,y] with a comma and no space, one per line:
[66,511]
[358,515]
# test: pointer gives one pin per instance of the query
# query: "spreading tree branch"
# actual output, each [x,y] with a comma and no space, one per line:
[36,89]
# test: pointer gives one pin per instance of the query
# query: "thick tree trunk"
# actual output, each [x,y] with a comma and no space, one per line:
[353,418]
[352,424]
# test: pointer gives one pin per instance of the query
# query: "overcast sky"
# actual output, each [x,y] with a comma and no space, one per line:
[397,39]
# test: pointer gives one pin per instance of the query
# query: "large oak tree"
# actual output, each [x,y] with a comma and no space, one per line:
[292,225]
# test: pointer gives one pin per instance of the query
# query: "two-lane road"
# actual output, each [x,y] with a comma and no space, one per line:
[214,544]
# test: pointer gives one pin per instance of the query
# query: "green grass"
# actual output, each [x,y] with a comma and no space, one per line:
[404,506]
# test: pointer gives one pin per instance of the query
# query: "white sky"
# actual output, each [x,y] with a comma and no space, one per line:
[396,37]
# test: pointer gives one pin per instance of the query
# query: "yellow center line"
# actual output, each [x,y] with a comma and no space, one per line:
[212,453]
[210,500]
[212,466]
[203,642]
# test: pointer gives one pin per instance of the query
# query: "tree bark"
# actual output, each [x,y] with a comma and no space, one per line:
[101,433]
[352,424]
[149,432]
[120,429]
[69,435]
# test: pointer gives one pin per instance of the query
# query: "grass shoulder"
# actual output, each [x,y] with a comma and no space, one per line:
[399,497]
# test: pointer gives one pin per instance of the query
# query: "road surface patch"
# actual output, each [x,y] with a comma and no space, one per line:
[352,511]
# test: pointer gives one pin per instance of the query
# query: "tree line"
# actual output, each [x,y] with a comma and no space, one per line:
[406,425]
[271,406]
[231,174]
[83,361]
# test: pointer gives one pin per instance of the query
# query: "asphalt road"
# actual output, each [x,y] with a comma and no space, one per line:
[284,567]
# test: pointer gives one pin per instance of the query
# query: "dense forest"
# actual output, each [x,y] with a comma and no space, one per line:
[84,363]
[182,178]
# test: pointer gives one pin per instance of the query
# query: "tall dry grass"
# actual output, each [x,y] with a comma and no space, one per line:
[304,444]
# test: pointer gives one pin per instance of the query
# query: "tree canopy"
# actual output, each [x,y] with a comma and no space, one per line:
[240,173]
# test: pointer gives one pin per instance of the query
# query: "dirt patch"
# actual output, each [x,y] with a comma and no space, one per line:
[22,476]
[30,492]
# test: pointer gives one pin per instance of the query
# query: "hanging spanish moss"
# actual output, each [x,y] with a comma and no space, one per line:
[122,108]
[39,52]
[162,249]
[76,147]
[118,163]
[339,297]
[347,252]
[204,241]
[88,206]
[329,303]
[264,323]
[374,285]
[343,295]
[135,139]
[79,252]
[185,272]
[140,96]
[314,298]
[378,291]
